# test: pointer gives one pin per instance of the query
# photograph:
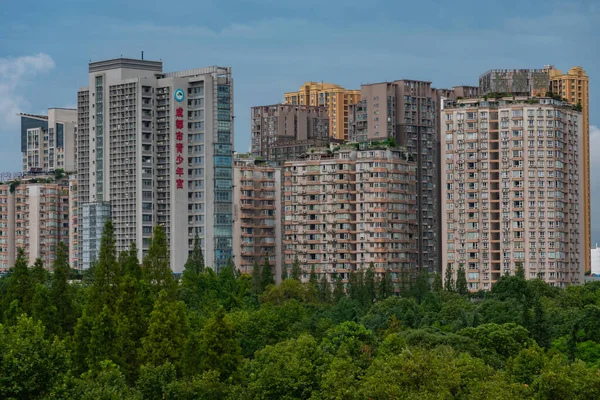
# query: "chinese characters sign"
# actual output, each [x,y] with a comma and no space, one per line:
[179,159]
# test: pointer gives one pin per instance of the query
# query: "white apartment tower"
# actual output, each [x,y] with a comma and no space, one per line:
[48,141]
[158,147]
[512,190]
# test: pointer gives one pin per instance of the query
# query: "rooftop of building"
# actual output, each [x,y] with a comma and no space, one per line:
[495,100]
[34,116]
[127,63]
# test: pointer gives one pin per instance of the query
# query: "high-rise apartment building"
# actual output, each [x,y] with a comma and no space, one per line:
[73,224]
[334,97]
[512,189]
[48,141]
[406,111]
[283,132]
[574,87]
[34,216]
[257,215]
[158,147]
[346,209]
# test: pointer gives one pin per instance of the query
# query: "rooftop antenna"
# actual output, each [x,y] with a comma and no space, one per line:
[142,54]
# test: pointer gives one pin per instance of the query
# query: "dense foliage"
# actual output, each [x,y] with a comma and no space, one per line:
[131,331]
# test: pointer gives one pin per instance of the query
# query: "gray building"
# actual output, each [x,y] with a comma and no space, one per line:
[48,141]
[158,147]
[283,132]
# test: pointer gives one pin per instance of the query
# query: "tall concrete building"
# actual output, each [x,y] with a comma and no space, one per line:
[346,209]
[257,215]
[573,86]
[34,216]
[158,147]
[283,132]
[512,189]
[334,97]
[406,110]
[48,141]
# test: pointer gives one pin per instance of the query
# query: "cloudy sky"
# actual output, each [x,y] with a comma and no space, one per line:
[274,46]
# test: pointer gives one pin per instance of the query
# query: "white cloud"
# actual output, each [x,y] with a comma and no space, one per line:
[13,74]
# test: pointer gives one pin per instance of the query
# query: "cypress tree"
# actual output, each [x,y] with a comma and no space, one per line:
[461,281]
[103,339]
[324,289]
[437,283]
[219,347]
[256,278]
[156,269]
[338,290]
[39,274]
[107,275]
[449,279]
[61,292]
[296,270]
[386,285]
[312,279]
[370,287]
[195,261]
[167,332]
[20,287]
[266,278]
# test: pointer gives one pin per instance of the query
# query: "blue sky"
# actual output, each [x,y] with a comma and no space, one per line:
[274,46]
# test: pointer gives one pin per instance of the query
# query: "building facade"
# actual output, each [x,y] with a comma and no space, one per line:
[335,98]
[595,258]
[257,215]
[573,86]
[344,210]
[158,147]
[407,111]
[34,216]
[283,132]
[48,141]
[512,190]
[91,226]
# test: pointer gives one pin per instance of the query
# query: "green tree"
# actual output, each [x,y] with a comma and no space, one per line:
[266,277]
[312,278]
[228,286]
[155,382]
[286,370]
[62,294]
[461,281]
[449,279]
[256,278]
[20,287]
[130,264]
[108,383]
[131,324]
[39,274]
[386,285]
[369,287]
[437,283]
[31,366]
[43,309]
[167,332]
[195,261]
[103,340]
[219,347]
[156,269]
[324,289]
[338,291]
[421,286]
[104,290]
[296,270]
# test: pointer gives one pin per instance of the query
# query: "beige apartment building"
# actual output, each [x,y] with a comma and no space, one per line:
[282,132]
[34,215]
[513,190]
[334,97]
[256,214]
[574,87]
[348,208]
